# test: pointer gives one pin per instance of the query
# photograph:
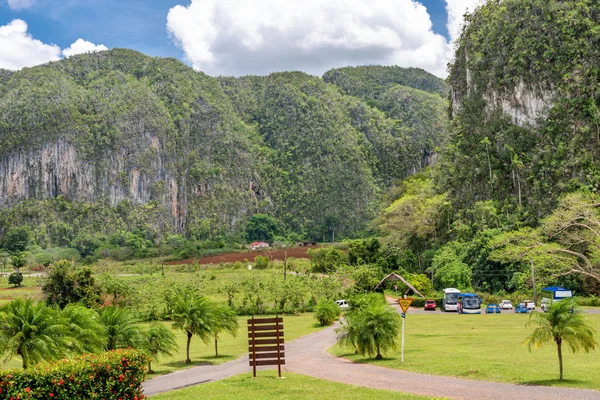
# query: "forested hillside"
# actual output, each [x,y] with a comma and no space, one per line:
[517,184]
[118,141]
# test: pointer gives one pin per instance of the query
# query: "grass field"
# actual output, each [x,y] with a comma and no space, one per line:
[486,347]
[268,386]
[230,348]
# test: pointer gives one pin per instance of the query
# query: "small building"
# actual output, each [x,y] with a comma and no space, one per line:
[258,245]
[300,244]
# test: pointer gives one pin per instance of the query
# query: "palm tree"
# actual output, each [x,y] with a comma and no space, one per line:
[89,335]
[371,328]
[121,329]
[33,332]
[194,315]
[225,321]
[158,339]
[563,323]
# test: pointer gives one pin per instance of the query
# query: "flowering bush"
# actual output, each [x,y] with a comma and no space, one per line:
[114,375]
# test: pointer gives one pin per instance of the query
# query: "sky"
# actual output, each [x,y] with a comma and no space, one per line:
[238,37]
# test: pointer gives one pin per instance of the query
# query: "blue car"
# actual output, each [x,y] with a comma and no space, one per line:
[521,309]
[492,309]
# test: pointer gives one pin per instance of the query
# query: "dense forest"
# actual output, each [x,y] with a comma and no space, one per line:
[118,141]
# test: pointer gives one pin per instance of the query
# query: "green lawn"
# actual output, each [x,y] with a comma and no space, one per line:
[486,347]
[268,386]
[230,348]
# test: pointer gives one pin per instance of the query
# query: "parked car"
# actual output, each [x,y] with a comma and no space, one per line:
[430,305]
[343,304]
[506,305]
[521,309]
[492,309]
[530,304]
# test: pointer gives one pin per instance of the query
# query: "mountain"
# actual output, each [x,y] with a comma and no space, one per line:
[117,140]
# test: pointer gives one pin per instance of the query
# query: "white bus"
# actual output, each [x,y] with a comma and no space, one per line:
[450,301]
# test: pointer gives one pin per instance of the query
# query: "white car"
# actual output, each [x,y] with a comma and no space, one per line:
[506,305]
[343,304]
[530,304]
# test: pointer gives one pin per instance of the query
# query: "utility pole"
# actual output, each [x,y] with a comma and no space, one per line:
[533,283]
[284,264]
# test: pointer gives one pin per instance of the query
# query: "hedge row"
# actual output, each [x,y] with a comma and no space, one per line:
[113,375]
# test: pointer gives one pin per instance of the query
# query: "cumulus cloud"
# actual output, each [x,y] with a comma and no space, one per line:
[19,49]
[82,46]
[19,4]
[240,37]
[456,10]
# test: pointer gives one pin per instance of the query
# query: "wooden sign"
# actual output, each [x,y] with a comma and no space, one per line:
[265,343]
[404,304]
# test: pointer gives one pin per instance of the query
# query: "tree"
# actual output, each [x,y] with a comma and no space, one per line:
[15,278]
[65,285]
[327,311]
[16,239]
[195,316]
[563,323]
[121,329]
[261,227]
[88,333]
[225,320]
[158,340]
[33,332]
[372,328]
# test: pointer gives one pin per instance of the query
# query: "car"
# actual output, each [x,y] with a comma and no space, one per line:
[506,305]
[492,309]
[430,305]
[530,304]
[343,304]
[521,309]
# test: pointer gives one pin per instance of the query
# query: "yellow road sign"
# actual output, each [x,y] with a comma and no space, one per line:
[404,304]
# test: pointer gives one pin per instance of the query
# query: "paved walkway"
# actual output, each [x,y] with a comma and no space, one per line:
[308,355]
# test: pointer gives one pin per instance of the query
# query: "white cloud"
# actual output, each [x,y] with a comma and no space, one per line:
[456,10]
[82,46]
[19,4]
[19,49]
[238,37]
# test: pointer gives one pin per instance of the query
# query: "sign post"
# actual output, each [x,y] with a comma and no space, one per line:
[404,304]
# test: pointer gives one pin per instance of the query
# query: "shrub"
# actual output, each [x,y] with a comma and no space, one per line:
[15,279]
[326,312]
[261,262]
[111,375]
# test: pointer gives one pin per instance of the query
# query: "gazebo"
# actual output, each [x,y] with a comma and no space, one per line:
[396,277]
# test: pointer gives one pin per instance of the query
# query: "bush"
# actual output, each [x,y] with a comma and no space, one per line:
[261,262]
[112,375]
[327,311]
[16,278]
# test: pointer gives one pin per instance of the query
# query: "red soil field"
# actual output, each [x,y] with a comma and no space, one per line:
[279,254]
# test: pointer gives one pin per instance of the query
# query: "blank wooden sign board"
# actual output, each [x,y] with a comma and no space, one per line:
[265,342]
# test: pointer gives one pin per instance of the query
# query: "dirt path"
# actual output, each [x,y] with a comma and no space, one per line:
[308,355]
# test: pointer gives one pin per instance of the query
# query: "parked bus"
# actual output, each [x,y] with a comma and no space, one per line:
[450,300]
[471,303]
[551,294]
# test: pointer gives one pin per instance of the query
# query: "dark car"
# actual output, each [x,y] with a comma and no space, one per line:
[521,309]
[492,309]
[430,305]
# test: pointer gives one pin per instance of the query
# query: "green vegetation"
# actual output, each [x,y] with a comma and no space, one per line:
[564,323]
[268,386]
[327,312]
[158,341]
[467,346]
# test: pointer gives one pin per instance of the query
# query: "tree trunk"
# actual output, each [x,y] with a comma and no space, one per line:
[216,348]
[187,349]
[150,367]
[560,362]
[379,357]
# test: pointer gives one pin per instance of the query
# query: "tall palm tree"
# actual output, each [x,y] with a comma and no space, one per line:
[121,328]
[33,332]
[194,315]
[225,321]
[158,339]
[563,323]
[89,335]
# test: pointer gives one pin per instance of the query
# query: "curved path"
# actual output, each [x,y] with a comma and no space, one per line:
[308,355]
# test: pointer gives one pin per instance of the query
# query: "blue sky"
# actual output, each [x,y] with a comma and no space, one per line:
[178,28]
